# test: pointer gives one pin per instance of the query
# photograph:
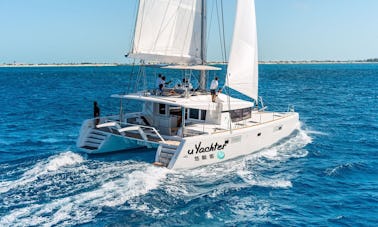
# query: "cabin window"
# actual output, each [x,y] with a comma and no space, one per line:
[194,114]
[240,114]
[162,109]
[203,115]
[175,110]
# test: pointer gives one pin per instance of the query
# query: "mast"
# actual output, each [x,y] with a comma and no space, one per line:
[203,45]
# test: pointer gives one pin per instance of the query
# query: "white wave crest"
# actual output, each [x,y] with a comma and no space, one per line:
[53,163]
[291,148]
[258,180]
[338,170]
[135,180]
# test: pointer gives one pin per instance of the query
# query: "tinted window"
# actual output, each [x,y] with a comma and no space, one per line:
[162,109]
[203,115]
[194,113]
[240,114]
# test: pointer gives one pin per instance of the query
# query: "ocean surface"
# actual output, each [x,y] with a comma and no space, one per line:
[325,174]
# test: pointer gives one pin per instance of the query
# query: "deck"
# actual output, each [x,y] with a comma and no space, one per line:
[257,118]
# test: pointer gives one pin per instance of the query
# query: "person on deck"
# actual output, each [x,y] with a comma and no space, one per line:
[157,85]
[158,81]
[162,84]
[96,113]
[187,84]
[213,88]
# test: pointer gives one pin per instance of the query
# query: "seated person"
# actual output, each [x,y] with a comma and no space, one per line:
[187,84]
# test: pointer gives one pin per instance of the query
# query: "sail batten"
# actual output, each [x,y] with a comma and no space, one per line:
[168,31]
[242,70]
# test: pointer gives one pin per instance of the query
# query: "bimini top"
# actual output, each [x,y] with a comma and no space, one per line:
[192,67]
[202,102]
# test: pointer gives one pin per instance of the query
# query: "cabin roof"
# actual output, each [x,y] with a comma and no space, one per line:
[192,67]
[202,102]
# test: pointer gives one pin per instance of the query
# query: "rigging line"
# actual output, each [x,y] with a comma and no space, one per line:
[224,38]
[137,81]
[219,28]
[141,22]
[131,75]
[133,29]
[210,24]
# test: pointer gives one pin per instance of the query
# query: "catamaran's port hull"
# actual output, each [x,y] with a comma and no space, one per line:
[94,141]
[113,143]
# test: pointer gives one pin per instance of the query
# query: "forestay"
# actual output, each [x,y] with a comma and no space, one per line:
[242,71]
[168,31]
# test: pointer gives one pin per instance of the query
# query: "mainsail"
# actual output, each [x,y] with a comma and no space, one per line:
[168,31]
[242,70]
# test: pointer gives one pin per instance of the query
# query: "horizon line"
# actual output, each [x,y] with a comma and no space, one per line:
[15,64]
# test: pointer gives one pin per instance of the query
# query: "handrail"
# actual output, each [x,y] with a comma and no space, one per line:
[131,127]
[149,127]
[116,117]
[158,134]
[107,124]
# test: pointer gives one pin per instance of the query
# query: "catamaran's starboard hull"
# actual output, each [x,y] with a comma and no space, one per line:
[205,150]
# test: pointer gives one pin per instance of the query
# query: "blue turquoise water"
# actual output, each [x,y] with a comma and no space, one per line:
[325,174]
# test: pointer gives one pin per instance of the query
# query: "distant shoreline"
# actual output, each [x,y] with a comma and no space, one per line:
[315,62]
[25,65]
[59,65]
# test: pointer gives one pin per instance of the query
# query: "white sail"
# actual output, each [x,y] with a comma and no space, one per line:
[242,70]
[168,31]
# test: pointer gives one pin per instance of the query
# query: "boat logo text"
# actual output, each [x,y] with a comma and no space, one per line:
[198,148]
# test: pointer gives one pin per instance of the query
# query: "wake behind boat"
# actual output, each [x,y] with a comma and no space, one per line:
[191,127]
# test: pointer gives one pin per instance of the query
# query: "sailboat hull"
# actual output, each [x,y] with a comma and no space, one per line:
[95,141]
[205,150]
[195,151]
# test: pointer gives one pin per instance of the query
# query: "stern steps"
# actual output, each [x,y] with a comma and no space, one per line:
[94,139]
[167,151]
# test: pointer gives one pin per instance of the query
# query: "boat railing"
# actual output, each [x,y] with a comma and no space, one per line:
[122,129]
[148,127]
[290,108]
[104,119]
[192,132]
[124,118]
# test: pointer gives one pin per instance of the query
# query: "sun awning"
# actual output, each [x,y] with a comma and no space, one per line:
[192,67]
[202,102]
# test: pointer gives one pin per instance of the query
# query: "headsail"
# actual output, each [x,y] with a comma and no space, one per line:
[168,31]
[242,71]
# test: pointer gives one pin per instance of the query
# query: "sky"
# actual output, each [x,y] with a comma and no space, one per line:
[75,31]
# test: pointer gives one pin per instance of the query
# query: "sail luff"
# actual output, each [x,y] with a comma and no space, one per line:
[167,31]
[242,70]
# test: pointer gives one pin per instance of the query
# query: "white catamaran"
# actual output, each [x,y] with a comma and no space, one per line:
[185,125]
